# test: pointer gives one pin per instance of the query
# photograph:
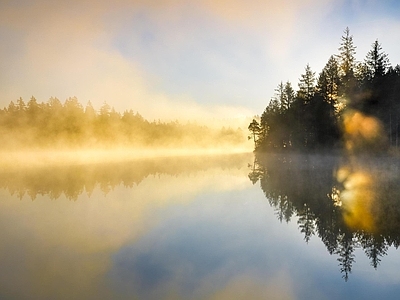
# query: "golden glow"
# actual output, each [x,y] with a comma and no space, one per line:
[70,257]
[362,132]
[76,42]
[357,198]
[27,159]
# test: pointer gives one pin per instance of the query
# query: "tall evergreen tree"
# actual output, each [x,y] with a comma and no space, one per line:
[289,95]
[21,106]
[377,62]
[307,85]
[283,98]
[328,83]
[347,62]
[254,128]
[280,96]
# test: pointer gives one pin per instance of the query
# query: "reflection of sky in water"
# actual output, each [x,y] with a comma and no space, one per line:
[198,249]
[227,240]
[207,234]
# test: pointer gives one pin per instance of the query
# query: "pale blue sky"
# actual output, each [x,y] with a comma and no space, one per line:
[176,58]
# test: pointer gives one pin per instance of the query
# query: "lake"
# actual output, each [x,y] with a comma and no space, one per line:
[208,227]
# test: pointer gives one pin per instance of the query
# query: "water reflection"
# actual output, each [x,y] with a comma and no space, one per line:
[64,249]
[348,202]
[191,228]
[55,180]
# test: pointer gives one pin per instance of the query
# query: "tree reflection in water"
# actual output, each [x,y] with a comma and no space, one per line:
[72,180]
[347,202]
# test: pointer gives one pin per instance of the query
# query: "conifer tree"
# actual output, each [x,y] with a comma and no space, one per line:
[377,62]
[289,94]
[328,83]
[347,62]
[280,96]
[307,85]
[21,106]
[254,128]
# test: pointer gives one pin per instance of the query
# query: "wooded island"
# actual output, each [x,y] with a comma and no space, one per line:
[350,104]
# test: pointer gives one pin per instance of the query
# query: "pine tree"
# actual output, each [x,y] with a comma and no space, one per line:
[328,83]
[21,106]
[307,85]
[347,63]
[377,62]
[289,94]
[254,128]
[280,96]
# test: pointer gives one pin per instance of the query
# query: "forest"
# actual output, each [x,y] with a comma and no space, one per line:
[57,125]
[352,105]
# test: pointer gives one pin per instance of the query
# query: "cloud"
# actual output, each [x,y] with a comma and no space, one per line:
[167,57]
[248,287]
[69,52]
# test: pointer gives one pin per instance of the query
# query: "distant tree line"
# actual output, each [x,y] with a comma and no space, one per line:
[55,125]
[311,117]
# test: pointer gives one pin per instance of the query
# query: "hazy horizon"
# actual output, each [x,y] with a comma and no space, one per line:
[179,59]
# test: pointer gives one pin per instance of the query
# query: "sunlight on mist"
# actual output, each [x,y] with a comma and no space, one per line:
[27,159]
[363,132]
[53,132]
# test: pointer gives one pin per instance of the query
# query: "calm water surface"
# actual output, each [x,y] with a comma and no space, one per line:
[210,227]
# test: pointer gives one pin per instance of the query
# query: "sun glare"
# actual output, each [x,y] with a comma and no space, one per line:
[362,132]
[358,199]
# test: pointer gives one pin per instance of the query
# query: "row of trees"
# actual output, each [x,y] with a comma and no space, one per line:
[311,117]
[69,124]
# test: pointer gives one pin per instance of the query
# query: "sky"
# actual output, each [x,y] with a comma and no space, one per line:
[179,59]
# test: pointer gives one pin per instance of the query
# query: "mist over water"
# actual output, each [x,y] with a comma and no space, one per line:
[209,226]
[69,126]
[78,175]
[147,187]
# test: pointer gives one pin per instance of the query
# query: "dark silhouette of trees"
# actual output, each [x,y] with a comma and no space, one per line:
[306,85]
[289,96]
[254,128]
[306,222]
[347,64]
[307,188]
[311,118]
[345,251]
[377,62]
[301,183]
[328,85]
